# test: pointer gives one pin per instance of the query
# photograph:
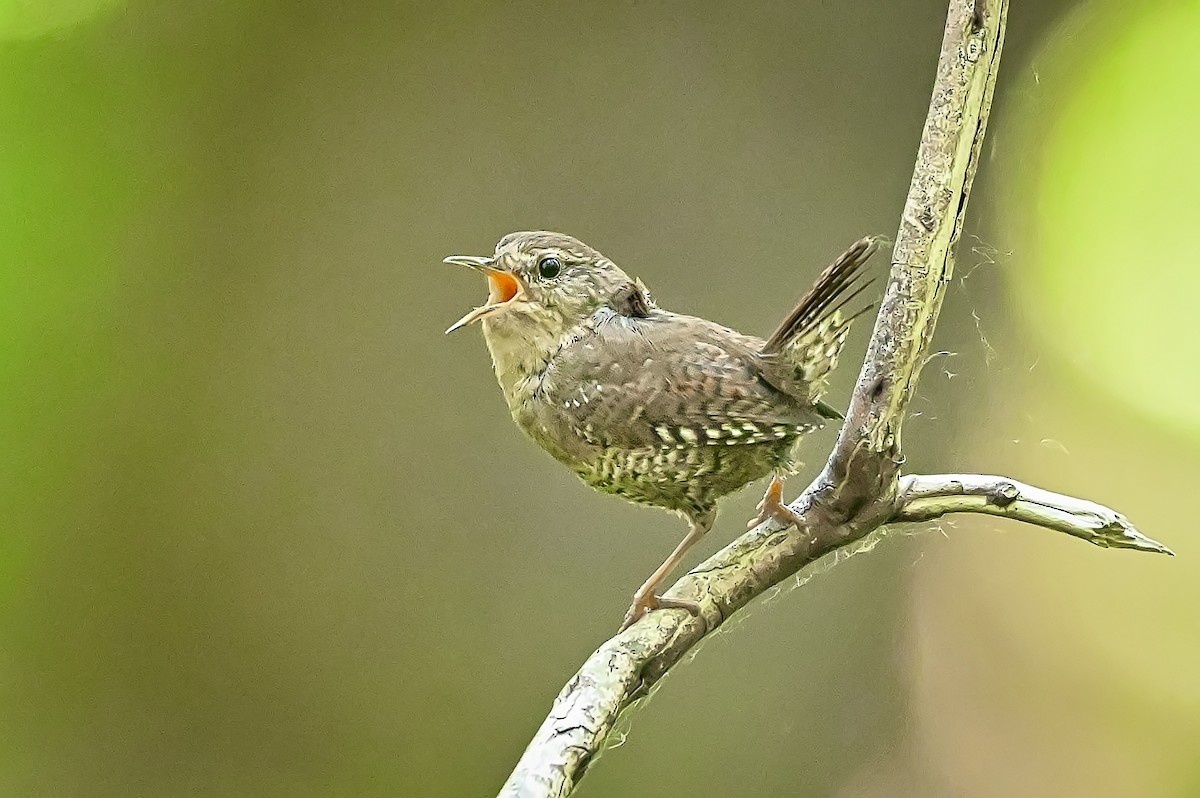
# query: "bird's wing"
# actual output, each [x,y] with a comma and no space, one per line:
[667,379]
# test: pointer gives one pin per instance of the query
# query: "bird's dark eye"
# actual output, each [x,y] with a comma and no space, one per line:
[549,266]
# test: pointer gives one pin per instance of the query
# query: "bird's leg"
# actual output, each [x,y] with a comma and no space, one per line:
[646,598]
[772,507]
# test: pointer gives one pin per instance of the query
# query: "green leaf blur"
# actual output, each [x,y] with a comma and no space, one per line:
[1115,205]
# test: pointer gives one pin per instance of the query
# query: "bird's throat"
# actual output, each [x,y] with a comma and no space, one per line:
[520,353]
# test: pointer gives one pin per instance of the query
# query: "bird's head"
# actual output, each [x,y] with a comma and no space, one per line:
[540,285]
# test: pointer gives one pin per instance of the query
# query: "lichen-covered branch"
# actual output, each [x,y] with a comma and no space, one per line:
[860,488]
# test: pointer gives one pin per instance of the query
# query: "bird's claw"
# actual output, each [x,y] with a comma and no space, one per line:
[644,604]
[772,507]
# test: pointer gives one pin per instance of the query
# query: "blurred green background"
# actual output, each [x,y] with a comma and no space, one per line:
[268,533]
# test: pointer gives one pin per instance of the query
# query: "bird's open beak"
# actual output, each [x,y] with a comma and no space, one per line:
[503,287]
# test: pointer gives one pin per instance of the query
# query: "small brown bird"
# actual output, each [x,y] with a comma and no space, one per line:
[657,407]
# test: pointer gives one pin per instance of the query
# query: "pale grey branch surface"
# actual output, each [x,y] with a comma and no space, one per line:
[860,487]
[926,497]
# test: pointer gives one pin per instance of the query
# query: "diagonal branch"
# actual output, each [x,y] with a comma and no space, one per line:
[860,488]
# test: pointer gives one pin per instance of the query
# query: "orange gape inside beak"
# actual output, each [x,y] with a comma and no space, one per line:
[502,286]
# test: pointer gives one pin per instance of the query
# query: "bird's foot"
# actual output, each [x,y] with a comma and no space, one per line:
[772,507]
[643,604]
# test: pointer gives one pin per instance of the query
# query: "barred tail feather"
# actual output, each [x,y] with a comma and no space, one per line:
[816,317]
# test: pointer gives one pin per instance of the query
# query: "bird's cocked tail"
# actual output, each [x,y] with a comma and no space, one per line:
[812,335]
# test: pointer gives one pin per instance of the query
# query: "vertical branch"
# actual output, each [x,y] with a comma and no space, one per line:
[922,261]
